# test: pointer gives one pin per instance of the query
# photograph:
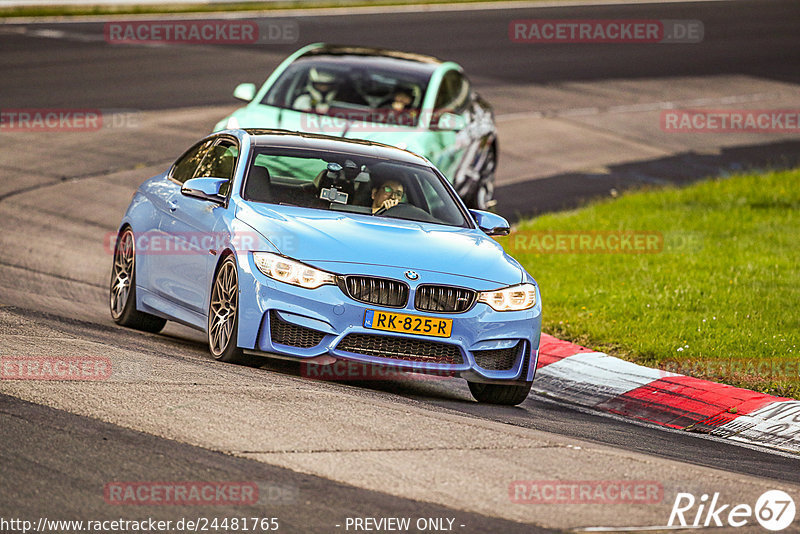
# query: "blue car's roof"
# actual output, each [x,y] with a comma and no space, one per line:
[285,139]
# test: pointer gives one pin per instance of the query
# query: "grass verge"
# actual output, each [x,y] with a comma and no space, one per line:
[716,295]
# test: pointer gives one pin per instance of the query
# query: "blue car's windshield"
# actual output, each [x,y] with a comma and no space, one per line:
[349,183]
[351,91]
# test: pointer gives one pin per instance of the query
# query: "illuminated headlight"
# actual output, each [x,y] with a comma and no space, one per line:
[513,298]
[291,272]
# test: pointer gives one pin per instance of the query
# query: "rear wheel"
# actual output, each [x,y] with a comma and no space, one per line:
[482,198]
[122,293]
[223,316]
[499,394]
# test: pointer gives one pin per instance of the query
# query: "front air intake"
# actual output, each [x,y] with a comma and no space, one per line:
[377,291]
[443,299]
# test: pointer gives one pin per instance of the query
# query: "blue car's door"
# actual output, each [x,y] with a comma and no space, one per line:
[195,233]
[183,270]
[153,244]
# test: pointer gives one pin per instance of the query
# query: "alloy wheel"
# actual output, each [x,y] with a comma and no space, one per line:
[224,302]
[122,274]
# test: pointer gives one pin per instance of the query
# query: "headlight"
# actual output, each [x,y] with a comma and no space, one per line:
[513,298]
[291,272]
[232,124]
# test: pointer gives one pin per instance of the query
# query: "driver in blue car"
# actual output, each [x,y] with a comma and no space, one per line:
[387,195]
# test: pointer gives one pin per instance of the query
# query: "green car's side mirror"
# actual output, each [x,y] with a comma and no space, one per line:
[245,91]
[449,122]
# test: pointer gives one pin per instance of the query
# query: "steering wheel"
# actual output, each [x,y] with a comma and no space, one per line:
[383,210]
[408,212]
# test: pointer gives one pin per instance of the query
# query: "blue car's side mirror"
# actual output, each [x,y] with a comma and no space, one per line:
[206,189]
[491,223]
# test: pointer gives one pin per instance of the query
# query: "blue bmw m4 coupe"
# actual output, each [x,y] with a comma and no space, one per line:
[321,249]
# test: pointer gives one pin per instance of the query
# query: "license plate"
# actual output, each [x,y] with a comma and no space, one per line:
[408,324]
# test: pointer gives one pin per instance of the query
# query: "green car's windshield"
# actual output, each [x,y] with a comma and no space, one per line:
[342,182]
[351,91]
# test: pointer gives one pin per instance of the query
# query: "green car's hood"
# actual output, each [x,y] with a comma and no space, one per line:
[261,116]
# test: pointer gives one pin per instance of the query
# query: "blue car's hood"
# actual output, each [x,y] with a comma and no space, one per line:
[313,235]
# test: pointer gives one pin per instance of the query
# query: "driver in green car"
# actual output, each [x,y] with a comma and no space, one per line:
[387,195]
[319,92]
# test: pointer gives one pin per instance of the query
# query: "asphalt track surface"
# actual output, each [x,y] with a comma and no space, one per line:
[756,39]
[50,457]
[99,447]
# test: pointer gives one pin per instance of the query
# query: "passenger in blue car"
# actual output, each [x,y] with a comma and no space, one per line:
[387,195]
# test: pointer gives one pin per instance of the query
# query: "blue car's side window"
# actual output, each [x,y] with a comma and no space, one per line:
[219,162]
[185,167]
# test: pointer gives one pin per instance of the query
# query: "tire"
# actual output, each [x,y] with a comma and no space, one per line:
[499,394]
[481,198]
[122,290]
[223,316]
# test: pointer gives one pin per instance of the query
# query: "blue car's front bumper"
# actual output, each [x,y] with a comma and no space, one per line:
[328,315]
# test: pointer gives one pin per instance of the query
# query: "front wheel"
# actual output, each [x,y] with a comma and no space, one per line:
[223,316]
[122,293]
[500,394]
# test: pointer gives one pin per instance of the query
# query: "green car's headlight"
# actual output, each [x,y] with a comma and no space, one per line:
[512,298]
[290,271]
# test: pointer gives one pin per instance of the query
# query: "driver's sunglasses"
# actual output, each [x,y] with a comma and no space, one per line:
[393,193]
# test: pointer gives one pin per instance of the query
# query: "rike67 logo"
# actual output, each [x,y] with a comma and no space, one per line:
[774,510]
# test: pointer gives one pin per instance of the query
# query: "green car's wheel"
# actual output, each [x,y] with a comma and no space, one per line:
[481,198]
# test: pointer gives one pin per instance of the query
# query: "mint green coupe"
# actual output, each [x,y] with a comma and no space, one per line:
[410,101]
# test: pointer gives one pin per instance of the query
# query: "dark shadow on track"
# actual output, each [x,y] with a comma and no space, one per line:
[566,191]
[42,444]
